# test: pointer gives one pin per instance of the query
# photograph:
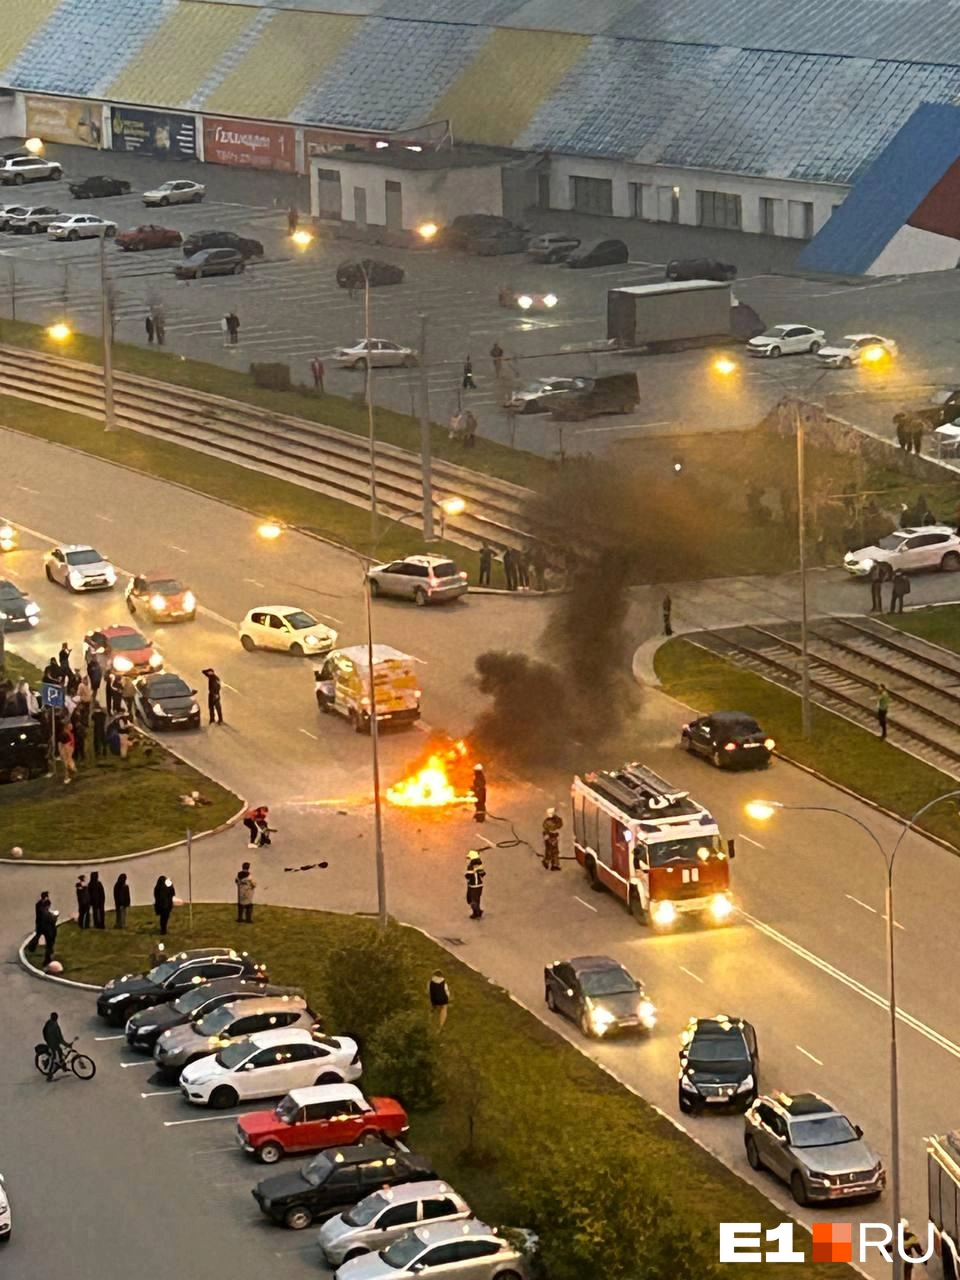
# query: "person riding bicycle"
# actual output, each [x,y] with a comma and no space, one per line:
[54,1040]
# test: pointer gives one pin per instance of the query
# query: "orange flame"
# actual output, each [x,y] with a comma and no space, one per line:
[430,787]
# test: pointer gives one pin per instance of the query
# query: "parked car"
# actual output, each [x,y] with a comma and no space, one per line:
[355,275]
[552,246]
[99,184]
[700,269]
[730,739]
[6,1218]
[24,748]
[33,219]
[607,393]
[178,1046]
[19,169]
[384,1216]
[121,997]
[599,994]
[269,1065]
[81,226]
[8,211]
[210,262]
[149,236]
[422,579]
[176,191]
[161,597]
[164,700]
[452,1249]
[326,1115]
[377,352]
[932,546]
[812,1147]
[16,607]
[79,568]
[486,234]
[285,627]
[719,1064]
[526,299]
[122,649]
[787,340]
[857,348]
[144,1029]
[599,253]
[198,240]
[335,1180]
[536,396]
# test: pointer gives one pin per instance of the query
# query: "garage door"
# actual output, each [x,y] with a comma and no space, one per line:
[328,194]
[592,195]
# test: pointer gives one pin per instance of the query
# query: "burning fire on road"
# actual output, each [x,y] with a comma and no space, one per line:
[440,781]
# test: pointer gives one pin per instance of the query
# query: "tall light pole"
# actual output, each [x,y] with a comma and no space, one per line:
[106,325]
[426,462]
[368,371]
[763,810]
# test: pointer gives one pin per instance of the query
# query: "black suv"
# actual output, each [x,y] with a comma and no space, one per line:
[126,995]
[98,185]
[700,269]
[145,1028]
[24,749]
[718,1064]
[335,1180]
[221,240]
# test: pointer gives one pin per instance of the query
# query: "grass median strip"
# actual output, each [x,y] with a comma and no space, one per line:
[113,806]
[939,625]
[526,1088]
[839,750]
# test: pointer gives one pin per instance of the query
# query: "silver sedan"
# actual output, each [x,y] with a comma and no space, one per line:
[177,191]
[378,353]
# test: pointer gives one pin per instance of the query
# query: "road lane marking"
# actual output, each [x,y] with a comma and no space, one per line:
[121,1036]
[253,582]
[309,734]
[26,489]
[749,840]
[143,1062]
[807,1054]
[161,1093]
[880,1001]
[172,1124]
[174,547]
[896,923]
[231,688]
[866,906]
[108,519]
[488,843]
[585,904]
[208,1151]
[690,974]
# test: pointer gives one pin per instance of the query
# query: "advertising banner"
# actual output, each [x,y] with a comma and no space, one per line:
[327,142]
[153,133]
[78,124]
[256,146]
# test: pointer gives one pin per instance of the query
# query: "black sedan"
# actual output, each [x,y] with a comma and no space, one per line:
[730,739]
[145,1028]
[700,269]
[165,701]
[719,1063]
[244,245]
[599,253]
[354,275]
[598,994]
[98,185]
[169,979]
[16,608]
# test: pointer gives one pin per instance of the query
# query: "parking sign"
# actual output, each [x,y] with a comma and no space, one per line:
[52,695]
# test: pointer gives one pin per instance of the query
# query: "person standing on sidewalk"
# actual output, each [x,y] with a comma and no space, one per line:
[40,910]
[83,902]
[475,876]
[667,614]
[900,588]
[876,591]
[149,326]
[163,895]
[318,371]
[552,826]
[496,355]
[293,219]
[468,383]
[98,901]
[883,707]
[214,685]
[121,901]
[486,564]
[245,888]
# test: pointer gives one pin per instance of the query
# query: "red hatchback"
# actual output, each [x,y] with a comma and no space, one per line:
[326,1115]
[123,650]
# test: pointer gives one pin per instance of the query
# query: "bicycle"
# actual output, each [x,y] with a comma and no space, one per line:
[83,1068]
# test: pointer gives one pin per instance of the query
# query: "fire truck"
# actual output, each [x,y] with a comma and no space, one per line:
[943,1200]
[651,845]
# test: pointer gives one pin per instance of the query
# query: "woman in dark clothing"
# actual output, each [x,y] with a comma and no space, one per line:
[98,901]
[121,901]
[163,893]
[83,902]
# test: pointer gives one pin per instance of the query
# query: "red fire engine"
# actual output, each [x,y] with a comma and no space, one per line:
[943,1200]
[651,845]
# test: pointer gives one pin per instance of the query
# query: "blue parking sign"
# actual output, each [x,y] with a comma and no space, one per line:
[52,695]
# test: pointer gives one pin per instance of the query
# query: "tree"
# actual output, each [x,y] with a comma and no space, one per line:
[402,1060]
[371,977]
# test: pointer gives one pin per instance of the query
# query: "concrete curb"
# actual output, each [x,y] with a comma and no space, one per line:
[34,972]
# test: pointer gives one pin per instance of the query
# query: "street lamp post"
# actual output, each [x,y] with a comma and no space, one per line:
[426,461]
[106,324]
[762,810]
[369,396]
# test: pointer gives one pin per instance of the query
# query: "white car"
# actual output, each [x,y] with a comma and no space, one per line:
[379,353]
[8,211]
[934,546]
[79,568]
[6,1225]
[787,340]
[81,226]
[177,191]
[268,1065]
[468,1249]
[32,218]
[287,628]
[20,169]
[849,350]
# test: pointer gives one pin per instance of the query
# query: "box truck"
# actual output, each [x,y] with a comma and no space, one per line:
[673,314]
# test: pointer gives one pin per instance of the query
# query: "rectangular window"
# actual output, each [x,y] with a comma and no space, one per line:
[329,203]
[543,191]
[718,209]
[592,195]
[636,195]
[768,216]
[800,219]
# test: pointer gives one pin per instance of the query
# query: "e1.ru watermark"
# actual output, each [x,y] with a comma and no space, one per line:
[832,1242]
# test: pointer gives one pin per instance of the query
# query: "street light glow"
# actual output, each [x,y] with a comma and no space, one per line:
[761,810]
[269,530]
[873,355]
[59,332]
[302,239]
[427,230]
[453,506]
[34,146]
[724,366]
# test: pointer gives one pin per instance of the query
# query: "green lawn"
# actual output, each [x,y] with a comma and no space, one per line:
[531,1081]
[349,414]
[940,624]
[112,807]
[841,751]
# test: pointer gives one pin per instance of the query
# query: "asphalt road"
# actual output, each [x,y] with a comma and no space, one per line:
[290,309]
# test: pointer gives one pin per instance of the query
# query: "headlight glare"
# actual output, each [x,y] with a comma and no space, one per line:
[156,660]
[75,579]
[121,664]
[32,610]
[189,601]
[524,302]
[720,906]
[663,912]
[158,603]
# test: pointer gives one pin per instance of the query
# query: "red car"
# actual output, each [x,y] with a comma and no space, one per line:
[149,237]
[124,650]
[326,1115]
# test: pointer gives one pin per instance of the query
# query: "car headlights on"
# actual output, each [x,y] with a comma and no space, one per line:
[720,906]
[158,603]
[75,579]
[311,640]
[110,574]
[122,664]
[156,660]
[550,300]
[600,1019]
[663,912]
[194,708]
[157,710]
[745,1085]
[769,743]
[524,302]
[189,601]
[647,1013]
[32,610]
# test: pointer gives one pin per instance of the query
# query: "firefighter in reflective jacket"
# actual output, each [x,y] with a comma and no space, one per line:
[552,826]
[475,876]
[911,1246]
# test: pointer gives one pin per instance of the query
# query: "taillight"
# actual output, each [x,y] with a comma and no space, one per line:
[729,746]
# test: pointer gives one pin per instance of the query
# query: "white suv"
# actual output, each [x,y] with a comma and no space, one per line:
[20,169]
[934,546]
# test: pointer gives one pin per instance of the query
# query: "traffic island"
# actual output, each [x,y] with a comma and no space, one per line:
[113,808]
[530,1131]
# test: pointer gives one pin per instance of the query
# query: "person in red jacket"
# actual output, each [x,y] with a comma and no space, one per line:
[255,820]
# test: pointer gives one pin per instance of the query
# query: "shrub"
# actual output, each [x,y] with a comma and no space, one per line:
[373,977]
[275,377]
[402,1060]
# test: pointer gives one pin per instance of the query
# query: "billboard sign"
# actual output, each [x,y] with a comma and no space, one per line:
[254,146]
[153,133]
[78,124]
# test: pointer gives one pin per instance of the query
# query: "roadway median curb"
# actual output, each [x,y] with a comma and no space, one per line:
[34,972]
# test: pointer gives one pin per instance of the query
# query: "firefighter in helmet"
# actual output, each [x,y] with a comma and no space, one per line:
[552,826]
[475,876]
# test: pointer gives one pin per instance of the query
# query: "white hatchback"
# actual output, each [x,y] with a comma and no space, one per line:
[287,628]
[268,1065]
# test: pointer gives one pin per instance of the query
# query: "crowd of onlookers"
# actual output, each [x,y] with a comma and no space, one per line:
[529,569]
